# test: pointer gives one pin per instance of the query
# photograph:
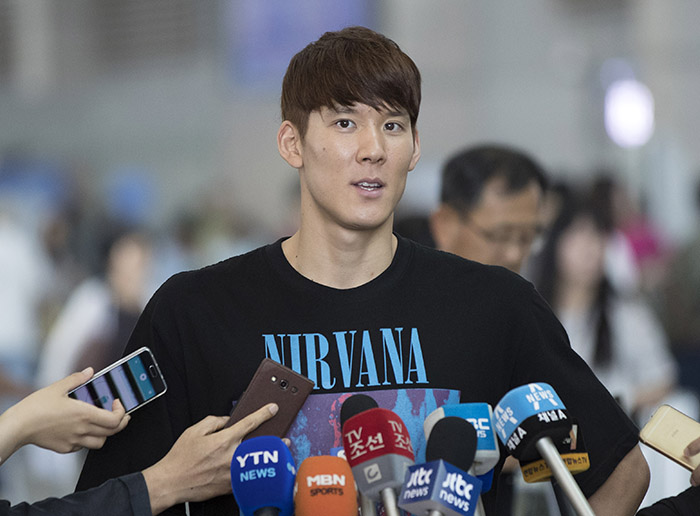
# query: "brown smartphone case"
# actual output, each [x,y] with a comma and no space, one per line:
[273,383]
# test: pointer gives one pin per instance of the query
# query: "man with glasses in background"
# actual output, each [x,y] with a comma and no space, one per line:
[490,212]
[490,206]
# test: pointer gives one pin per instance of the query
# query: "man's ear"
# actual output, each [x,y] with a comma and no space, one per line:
[289,144]
[444,224]
[416,151]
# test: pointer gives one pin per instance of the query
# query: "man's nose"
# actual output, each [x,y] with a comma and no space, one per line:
[372,145]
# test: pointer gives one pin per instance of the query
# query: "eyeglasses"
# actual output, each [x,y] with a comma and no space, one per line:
[523,237]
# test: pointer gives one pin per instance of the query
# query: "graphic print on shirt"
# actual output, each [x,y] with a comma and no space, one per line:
[316,429]
[353,360]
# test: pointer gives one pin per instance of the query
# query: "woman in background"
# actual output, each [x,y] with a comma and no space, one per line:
[617,335]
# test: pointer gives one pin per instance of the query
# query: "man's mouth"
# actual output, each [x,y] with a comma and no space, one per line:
[365,185]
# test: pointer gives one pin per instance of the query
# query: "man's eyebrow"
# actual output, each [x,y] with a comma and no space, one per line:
[342,109]
[349,110]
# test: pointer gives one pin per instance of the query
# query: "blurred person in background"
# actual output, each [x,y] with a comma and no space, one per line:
[490,206]
[679,307]
[636,251]
[24,276]
[492,210]
[92,329]
[616,333]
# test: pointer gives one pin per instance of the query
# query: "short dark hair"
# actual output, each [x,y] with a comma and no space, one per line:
[465,174]
[353,65]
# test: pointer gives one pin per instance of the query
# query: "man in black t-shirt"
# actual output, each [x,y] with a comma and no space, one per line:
[352,306]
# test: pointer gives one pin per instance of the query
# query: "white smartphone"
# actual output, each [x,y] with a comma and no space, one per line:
[135,379]
[669,431]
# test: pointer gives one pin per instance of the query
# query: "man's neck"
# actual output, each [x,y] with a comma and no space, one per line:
[343,260]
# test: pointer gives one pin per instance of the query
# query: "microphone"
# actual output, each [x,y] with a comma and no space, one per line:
[441,486]
[529,420]
[352,406]
[262,477]
[480,415]
[378,448]
[325,485]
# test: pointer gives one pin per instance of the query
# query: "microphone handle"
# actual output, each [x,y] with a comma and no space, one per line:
[367,507]
[435,513]
[389,500]
[551,456]
[267,511]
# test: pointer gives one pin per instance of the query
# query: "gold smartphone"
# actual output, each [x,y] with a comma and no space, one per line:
[669,431]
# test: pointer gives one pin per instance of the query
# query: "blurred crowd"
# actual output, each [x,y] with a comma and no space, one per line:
[76,270]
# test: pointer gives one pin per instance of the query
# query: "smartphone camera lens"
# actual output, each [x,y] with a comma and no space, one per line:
[284,384]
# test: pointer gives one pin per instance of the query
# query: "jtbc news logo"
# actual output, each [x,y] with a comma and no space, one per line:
[443,483]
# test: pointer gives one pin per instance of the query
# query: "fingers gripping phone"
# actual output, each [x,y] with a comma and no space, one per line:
[669,431]
[135,379]
[272,383]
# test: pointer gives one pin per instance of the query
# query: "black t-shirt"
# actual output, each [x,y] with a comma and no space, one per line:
[432,328]
[686,503]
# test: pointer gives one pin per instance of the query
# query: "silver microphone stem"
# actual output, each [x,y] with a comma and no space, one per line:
[551,456]
[367,507]
[389,501]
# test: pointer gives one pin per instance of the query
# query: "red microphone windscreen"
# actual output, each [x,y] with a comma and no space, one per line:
[374,433]
[325,485]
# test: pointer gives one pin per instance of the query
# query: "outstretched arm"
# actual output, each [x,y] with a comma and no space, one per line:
[198,466]
[50,419]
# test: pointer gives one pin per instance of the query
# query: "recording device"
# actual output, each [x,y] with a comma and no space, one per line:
[528,420]
[262,477]
[352,406]
[442,485]
[325,485]
[272,383]
[480,415]
[669,431]
[135,380]
[378,448]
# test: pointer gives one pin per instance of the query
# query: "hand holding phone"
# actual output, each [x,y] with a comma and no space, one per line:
[669,432]
[135,380]
[273,383]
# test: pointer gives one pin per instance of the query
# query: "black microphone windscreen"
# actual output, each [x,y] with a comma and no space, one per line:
[354,405]
[452,439]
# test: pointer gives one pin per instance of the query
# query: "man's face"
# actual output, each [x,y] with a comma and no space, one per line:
[499,230]
[354,162]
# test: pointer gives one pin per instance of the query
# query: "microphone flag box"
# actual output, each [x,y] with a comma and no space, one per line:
[573,452]
[262,475]
[378,448]
[529,411]
[439,486]
[480,416]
